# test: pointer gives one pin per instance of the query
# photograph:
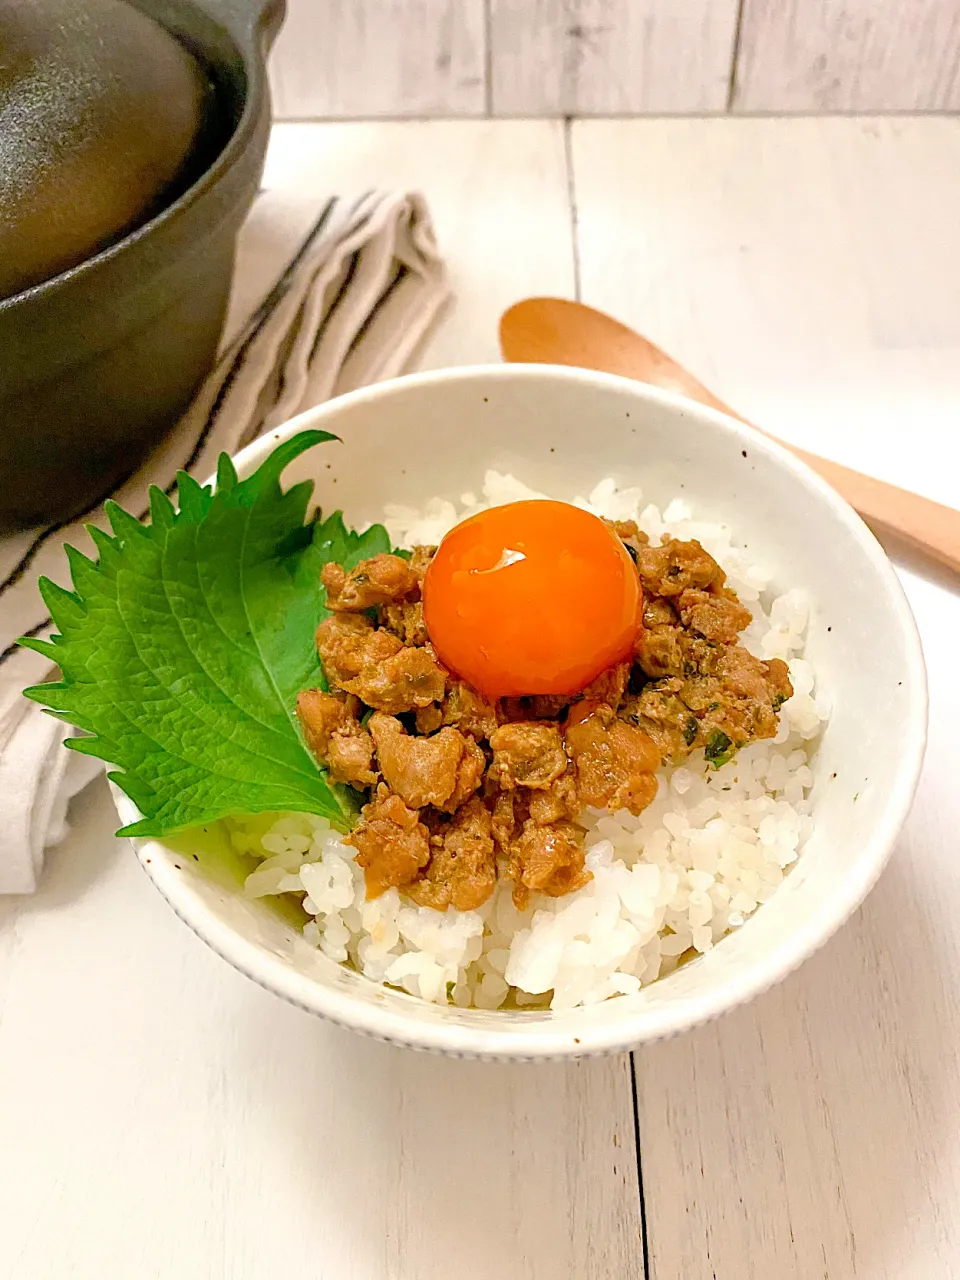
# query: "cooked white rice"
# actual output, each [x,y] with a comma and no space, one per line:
[711,848]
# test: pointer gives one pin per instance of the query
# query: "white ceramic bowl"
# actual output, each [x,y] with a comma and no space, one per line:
[561,430]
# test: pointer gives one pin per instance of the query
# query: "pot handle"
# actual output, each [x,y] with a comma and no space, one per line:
[261,19]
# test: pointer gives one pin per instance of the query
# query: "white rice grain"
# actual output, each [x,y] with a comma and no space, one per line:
[713,845]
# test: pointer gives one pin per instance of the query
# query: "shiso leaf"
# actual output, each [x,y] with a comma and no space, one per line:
[183,646]
[337,543]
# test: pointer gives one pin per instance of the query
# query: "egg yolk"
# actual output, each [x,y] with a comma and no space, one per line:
[531,597]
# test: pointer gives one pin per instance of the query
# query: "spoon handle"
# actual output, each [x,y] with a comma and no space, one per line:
[924,525]
[558,331]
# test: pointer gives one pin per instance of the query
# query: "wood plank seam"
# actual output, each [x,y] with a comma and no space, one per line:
[414,59]
[644,1244]
[577,293]
[735,56]
[572,203]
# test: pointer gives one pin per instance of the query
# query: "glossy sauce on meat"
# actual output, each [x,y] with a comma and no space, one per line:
[463,789]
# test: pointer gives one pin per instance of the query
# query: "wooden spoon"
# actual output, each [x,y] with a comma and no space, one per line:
[555,331]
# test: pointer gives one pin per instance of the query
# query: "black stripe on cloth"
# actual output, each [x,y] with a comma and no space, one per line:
[12,648]
[281,383]
[254,328]
[350,272]
[400,274]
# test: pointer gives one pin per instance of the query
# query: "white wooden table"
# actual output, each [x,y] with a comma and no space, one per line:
[161,1117]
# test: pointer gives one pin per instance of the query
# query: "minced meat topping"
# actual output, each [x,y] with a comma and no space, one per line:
[461,790]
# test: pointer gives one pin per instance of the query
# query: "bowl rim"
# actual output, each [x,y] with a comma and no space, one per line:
[513,1041]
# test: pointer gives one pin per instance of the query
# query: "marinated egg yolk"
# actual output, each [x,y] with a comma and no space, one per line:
[531,597]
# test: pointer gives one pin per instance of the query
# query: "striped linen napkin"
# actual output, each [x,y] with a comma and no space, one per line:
[324,300]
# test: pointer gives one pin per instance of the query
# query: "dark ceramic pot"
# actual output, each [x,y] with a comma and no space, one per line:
[98,363]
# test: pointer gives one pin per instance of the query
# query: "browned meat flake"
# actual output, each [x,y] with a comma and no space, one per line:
[469,711]
[616,762]
[609,686]
[320,715]
[410,679]
[422,771]
[348,642]
[336,737]
[658,613]
[429,719]
[660,713]
[702,687]
[709,623]
[726,699]
[470,773]
[392,843]
[627,531]
[720,618]
[547,859]
[351,756]
[505,818]
[419,561]
[676,566]
[404,619]
[379,580]
[462,871]
[556,803]
[535,706]
[527,754]
[659,651]
[750,677]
